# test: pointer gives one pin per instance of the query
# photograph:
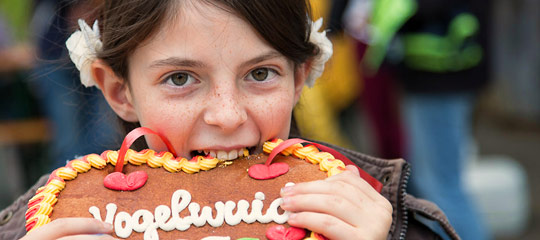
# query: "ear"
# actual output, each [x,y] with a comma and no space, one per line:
[115,90]
[300,75]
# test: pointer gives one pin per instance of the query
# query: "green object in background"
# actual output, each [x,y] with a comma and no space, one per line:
[450,53]
[387,18]
[17,13]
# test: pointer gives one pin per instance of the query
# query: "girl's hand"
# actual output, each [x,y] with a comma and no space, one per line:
[343,206]
[71,229]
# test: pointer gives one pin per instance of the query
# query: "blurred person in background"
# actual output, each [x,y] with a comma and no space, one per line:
[434,51]
[81,122]
[442,66]
[378,96]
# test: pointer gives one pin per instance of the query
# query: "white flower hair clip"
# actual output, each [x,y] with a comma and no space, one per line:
[83,46]
[326,51]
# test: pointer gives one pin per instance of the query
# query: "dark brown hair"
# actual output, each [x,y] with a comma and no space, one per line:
[125,24]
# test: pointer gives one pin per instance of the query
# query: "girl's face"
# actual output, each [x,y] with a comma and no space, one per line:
[208,82]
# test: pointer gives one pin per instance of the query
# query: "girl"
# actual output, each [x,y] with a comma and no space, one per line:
[219,76]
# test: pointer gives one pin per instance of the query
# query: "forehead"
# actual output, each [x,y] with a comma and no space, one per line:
[196,28]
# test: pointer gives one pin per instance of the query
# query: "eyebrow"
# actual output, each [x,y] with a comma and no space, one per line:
[176,62]
[182,62]
[268,55]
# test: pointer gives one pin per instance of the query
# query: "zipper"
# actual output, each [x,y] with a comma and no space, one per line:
[402,193]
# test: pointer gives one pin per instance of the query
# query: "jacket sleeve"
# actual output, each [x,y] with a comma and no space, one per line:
[12,219]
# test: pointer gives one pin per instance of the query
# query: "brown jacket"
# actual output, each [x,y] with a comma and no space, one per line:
[412,218]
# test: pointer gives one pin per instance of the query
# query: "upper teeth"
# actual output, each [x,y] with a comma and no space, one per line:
[222,155]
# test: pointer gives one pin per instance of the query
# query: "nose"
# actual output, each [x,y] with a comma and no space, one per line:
[225,110]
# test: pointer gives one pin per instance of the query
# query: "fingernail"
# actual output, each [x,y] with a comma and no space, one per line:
[107,226]
[292,216]
[286,202]
[286,190]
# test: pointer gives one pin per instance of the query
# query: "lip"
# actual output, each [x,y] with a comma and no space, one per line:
[223,148]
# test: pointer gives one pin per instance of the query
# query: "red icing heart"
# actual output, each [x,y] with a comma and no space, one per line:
[279,232]
[119,181]
[262,171]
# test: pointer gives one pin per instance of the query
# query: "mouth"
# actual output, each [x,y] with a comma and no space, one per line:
[224,155]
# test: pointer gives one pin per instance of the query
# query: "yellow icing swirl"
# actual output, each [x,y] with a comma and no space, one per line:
[41,220]
[268,146]
[138,158]
[317,157]
[53,187]
[66,173]
[312,236]
[302,152]
[43,208]
[80,166]
[335,170]
[172,165]
[96,161]
[157,160]
[49,189]
[57,184]
[112,157]
[328,164]
[289,150]
[191,167]
[47,197]
[207,163]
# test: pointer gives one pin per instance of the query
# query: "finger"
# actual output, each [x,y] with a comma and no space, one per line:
[352,176]
[341,186]
[333,205]
[364,187]
[353,169]
[89,237]
[333,183]
[71,226]
[327,225]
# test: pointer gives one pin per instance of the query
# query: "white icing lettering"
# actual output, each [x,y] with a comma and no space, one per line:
[95,213]
[147,219]
[162,213]
[272,212]
[123,218]
[230,218]
[256,208]
[220,216]
[195,219]
[151,232]
[111,210]
[168,219]
[179,202]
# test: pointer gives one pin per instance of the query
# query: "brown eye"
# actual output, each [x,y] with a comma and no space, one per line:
[261,74]
[179,79]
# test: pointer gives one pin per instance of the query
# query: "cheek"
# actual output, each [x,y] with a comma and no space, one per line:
[273,115]
[169,120]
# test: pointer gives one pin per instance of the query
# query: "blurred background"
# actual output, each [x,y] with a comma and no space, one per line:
[453,87]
